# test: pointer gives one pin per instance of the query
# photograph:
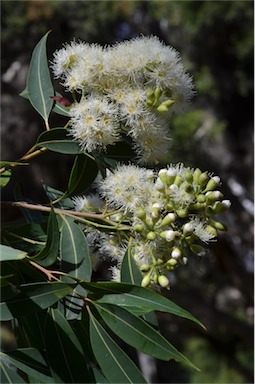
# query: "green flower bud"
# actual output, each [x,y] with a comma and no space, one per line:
[218,225]
[144,268]
[188,176]
[182,213]
[169,207]
[157,94]
[159,185]
[214,195]
[163,175]
[201,198]
[178,180]
[212,184]
[211,230]
[163,281]
[160,261]
[167,220]
[172,262]
[203,178]
[141,213]
[138,228]
[146,281]
[164,107]
[151,236]
[196,175]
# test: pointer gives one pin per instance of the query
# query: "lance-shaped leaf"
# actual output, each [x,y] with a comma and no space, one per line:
[58,140]
[75,260]
[64,352]
[130,272]
[9,253]
[83,173]
[32,298]
[115,364]
[30,361]
[54,194]
[136,332]
[5,177]
[8,373]
[29,237]
[48,255]
[39,85]
[130,296]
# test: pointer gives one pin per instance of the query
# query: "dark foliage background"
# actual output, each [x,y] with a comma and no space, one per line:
[215,39]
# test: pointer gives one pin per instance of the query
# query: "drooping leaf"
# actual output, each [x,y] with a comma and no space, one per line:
[8,373]
[39,85]
[33,297]
[83,173]
[64,352]
[5,177]
[9,253]
[130,272]
[48,255]
[30,361]
[127,295]
[75,260]
[58,140]
[116,366]
[136,332]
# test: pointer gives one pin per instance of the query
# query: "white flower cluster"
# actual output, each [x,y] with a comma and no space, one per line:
[170,214]
[131,88]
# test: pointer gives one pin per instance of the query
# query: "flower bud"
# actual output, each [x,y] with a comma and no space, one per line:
[164,107]
[172,262]
[196,175]
[218,225]
[201,198]
[168,219]
[151,236]
[176,253]
[159,185]
[141,213]
[138,228]
[163,175]
[178,180]
[214,195]
[182,212]
[146,281]
[163,281]
[168,235]
[211,230]
[144,268]
[188,176]
[188,229]
[212,184]
[203,178]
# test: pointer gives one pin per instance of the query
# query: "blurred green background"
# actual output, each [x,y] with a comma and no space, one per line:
[215,40]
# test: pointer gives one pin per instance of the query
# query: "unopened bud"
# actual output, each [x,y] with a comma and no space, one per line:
[168,235]
[214,195]
[163,175]
[212,184]
[203,178]
[164,107]
[141,213]
[188,229]
[172,262]
[196,175]
[182,212]
[188,176]
[176,253]
[144,268]
[146,281]
[151,236]
[168,219]
[163,281]
[201,198]
[138,228]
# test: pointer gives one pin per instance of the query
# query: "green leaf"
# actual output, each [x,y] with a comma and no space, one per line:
[58,140]
[99,377]
[33,297]
[39,86]
[127,295]
[9,253]
[8,373]
[64,352]
[139,334]
[83,173]
[48,255]
[5,177]
[76,261]
[115,364]
[55,194]
[30,361]
[130,272]
[33,327]
[29,237]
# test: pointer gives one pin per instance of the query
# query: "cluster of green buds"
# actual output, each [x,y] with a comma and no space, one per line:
[180,222]
[154,100]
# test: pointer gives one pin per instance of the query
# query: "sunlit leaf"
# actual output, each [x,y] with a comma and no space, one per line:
[39,85]
[136,332]
[115,364]
[9,253]
[33,297]
[75,260]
